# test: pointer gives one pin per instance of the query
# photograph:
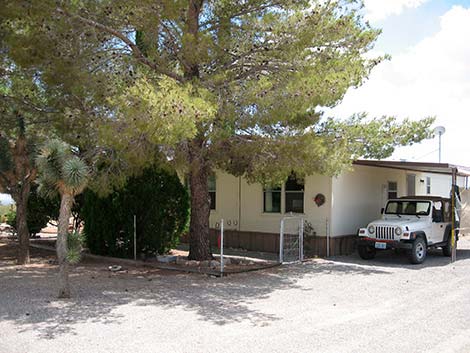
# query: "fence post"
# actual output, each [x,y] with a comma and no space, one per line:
[281,243]
[301,240]
[135,238]
[222,246]
[327,238]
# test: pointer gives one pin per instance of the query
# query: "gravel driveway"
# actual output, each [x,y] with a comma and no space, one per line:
[340,305]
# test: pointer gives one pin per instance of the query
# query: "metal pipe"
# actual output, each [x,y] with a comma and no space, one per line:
[239,202]
[327,238]
[135,238]
[221,246]
[281,242]
[301,239]
[440,136]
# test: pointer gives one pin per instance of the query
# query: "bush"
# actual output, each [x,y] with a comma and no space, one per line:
[160,203]
[4,211]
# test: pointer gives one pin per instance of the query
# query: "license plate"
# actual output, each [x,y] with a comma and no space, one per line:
[380,245]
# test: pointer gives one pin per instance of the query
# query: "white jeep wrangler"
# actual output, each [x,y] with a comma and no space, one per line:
[413,223]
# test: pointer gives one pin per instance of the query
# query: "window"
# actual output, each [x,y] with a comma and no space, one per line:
[392,190]
[272,200]
[212,187]
[408,208]
[294,195]
[428,185]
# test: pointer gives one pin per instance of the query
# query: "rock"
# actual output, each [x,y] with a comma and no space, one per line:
[192,263]
[227,261]
[115,268]
[166,258]
[205,263]
[214,263]
[181,260]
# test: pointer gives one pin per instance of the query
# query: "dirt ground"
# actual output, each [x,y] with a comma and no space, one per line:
[337,305]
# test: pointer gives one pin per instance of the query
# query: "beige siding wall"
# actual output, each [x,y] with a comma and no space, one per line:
[250,216]
[440,184]
[227,205]
[352,200]
[358,196]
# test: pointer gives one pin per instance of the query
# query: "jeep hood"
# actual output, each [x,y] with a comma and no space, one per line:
[408,221]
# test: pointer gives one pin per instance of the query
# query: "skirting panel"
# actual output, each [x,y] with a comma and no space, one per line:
[269,242]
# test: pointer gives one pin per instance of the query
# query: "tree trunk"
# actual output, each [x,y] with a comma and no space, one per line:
[22,230]
[20,185]
[61,245]
[191,65]
[199,246]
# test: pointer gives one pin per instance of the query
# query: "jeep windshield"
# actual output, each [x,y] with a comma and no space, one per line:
[408,207]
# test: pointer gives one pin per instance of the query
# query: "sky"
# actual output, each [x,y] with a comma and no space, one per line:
[5,199]
[428,74]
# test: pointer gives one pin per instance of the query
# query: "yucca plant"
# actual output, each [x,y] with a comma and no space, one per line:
[61,171]
[74,247]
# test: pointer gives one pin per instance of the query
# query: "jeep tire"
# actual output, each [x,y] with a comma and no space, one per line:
[447,249]
[418,251]
[366,252]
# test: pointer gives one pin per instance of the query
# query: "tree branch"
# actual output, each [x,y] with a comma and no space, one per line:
[29,104]
[137,53]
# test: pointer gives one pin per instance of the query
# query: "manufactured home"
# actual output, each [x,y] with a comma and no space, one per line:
[332,207]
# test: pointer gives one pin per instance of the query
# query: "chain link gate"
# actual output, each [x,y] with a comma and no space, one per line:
[291,241]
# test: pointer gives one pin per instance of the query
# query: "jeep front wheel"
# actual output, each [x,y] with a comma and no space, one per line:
[366,252]
[418,251]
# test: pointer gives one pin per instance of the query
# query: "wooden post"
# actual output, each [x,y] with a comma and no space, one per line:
[453,243]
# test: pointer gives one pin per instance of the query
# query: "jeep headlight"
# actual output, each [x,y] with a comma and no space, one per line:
[398,231]
[371,229]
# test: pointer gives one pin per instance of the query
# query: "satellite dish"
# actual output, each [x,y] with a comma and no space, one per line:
[439,130]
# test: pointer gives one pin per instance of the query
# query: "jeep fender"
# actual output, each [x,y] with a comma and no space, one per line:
[420,234]
[448,232]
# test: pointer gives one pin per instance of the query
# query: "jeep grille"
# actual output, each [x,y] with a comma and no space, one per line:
[385,232]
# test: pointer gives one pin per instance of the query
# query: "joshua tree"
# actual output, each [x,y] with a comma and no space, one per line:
[61,171]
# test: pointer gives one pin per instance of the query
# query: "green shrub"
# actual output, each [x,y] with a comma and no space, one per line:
[4,210]
[11,218]
[160,203]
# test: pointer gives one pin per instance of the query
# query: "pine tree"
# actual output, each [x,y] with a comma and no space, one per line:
[216,84]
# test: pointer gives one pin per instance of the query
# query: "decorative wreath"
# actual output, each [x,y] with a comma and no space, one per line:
[319,199]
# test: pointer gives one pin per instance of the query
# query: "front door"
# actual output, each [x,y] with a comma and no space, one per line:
[410,184]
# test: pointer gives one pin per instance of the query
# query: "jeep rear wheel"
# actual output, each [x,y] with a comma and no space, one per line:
[366,252]
[418,251]
[447,249]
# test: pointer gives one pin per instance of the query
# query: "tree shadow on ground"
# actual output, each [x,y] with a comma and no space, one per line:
[28,293]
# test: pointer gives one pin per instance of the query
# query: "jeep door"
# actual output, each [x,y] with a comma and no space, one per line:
[438,222]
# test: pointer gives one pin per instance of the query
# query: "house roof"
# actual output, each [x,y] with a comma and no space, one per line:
[437,168]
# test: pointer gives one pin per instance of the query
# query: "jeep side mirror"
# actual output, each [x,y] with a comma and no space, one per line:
[382,210]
